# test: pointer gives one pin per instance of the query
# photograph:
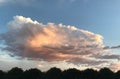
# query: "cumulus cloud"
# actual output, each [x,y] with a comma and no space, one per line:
[51,42]
[28,38]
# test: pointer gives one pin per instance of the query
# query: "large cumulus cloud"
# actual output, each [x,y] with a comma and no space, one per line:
[32,39]
[51,42]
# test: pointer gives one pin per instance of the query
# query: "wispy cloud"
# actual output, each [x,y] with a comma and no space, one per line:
[22,2]
[3,1]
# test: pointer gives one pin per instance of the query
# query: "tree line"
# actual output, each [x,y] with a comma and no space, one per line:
[56,73]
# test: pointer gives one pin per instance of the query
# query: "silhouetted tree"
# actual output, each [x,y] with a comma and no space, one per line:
[32,74]
[56,73]
[89,74]
[117,75]
[2,74]
[53,73]
[71,74]
[15,73]
[106,73]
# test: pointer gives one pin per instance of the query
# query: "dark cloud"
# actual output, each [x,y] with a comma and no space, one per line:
[115,47]
[87,60]
[112,56]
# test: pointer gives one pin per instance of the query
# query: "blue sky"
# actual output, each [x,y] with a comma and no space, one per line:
[97,16]
[101,16]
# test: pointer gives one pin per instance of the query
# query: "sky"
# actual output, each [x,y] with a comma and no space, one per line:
[63,33]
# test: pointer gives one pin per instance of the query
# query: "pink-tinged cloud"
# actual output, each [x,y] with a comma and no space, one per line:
[50,42]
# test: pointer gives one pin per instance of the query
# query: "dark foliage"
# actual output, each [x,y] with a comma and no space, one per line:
[56,73]
[89,74]
[32,74]
[14,73]
[2,74]
[106,73]
[117,75]
[71,74]
[53,73]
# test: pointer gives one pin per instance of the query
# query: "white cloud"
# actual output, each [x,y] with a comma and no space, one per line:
[21,2]
[54,43]
[32,39]
[115,66]
[3,1]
